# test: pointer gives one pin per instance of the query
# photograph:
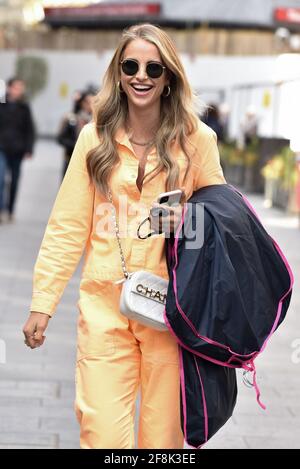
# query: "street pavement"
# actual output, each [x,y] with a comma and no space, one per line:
[37,386]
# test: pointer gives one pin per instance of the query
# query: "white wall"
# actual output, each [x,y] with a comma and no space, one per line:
[278,118]
[75,69]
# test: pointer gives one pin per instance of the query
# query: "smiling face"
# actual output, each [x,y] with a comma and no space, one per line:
[141,89]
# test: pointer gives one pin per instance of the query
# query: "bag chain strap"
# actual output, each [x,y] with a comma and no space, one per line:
[123,263]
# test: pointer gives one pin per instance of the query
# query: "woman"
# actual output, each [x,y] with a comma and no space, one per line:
[146,138]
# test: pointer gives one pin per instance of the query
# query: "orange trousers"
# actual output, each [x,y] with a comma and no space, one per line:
[115,358]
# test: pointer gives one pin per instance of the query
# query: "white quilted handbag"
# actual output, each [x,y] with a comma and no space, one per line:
[143,295]
[143,298]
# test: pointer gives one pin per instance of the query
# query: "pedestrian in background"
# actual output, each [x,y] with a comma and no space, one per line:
[17,135]
[248,127]
[213,120]
[72,124]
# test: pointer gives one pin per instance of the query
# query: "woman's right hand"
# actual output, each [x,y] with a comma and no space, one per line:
[34,329]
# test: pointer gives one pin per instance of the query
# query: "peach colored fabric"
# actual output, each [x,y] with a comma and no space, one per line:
[115,355]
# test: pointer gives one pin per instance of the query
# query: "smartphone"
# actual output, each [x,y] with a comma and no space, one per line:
[170,198]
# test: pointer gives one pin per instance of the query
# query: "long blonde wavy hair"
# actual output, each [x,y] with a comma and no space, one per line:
[178,113]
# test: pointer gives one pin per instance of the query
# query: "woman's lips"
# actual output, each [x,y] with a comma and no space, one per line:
[141,92]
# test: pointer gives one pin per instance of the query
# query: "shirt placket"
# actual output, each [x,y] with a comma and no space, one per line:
[138,247]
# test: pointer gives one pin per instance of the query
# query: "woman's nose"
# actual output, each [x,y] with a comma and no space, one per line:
[141,73]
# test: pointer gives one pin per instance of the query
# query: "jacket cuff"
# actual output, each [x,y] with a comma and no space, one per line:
[43,304]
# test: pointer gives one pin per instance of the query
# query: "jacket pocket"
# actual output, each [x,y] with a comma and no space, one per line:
[96,328]
[165,348]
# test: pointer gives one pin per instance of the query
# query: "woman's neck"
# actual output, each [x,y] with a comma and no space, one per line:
[143,123]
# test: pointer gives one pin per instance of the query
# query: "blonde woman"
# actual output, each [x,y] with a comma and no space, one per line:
[145,138]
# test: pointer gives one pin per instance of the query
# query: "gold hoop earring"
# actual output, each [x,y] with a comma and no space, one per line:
[119,87]
[168,93]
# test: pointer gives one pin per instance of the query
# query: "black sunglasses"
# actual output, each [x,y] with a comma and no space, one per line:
[153,69]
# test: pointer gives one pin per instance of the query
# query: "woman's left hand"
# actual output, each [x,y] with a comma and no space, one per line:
[170,221]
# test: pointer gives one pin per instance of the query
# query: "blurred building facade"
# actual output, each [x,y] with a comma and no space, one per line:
[226,27]
[234,51]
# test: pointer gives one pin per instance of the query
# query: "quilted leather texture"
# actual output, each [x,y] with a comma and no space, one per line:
[141,299]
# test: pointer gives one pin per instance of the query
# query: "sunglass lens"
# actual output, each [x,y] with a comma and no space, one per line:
[130,67]
[154,70]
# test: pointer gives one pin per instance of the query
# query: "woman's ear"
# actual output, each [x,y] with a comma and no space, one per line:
[168,77]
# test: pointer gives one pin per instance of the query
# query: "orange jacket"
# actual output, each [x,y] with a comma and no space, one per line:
[80,217]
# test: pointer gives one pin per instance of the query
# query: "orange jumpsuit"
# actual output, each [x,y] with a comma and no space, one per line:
[116,356]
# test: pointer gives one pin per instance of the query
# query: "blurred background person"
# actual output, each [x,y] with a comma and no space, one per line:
[224,118]
[248,127]
[213,120]
[17,135]
[72,123]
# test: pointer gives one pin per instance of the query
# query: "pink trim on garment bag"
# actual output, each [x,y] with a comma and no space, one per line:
[213,360]
[204,338]
[174,251]
[288,267]
[250,364]
[182,379]
[183,392]
[204,404]
[251,367]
